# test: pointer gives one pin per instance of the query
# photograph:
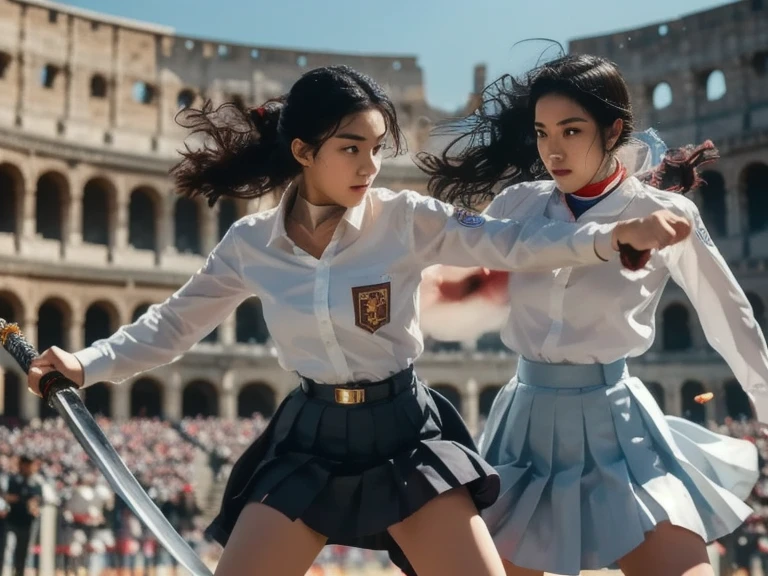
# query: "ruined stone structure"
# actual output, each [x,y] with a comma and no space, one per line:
[705,76]
[91,232]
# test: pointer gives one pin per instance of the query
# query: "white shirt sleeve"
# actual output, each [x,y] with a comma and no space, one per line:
[724,311]
[167,330]
[442,234]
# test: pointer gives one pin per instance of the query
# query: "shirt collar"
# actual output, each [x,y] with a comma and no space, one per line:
[353,216]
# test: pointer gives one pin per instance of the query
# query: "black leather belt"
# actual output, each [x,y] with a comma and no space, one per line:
[359,392]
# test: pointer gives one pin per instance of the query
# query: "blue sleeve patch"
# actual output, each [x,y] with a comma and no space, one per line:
[702,232]
[468,218]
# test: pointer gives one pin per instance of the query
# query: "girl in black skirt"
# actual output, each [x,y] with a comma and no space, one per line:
[361,453]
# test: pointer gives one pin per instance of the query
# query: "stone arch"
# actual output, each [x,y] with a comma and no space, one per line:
[11,308]
[11,198]
[185,98]
[51,205]
[146,398]
[716,85]
[676,334]
[754,186]
[5,63]
[139,311]
[737,403]
[256,397]
[54,317]
[101,320]
[186,219]
[200,398]
[99,206]
[143,218]
[714,211]
[487,396]
[99,86]
[12,391]
[662,96]
[98,399]
[250,326]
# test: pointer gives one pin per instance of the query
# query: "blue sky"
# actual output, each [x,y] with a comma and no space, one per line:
[447,36]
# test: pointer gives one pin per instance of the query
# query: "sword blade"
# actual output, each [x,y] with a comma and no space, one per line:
[105,457]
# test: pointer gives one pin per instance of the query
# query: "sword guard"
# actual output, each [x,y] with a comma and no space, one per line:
[53,382]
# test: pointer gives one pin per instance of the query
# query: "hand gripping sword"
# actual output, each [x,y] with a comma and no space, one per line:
[59,393]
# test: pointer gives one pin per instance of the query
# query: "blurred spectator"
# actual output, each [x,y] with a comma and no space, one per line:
[25,497]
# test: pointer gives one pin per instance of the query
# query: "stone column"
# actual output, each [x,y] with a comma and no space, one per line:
[228,408]
[470,406]
[228,330]
[28,222]
[120,401]
[29,329]
[208,228]
[172,397]
[716,408]
[76,336]
[73,234]
[673,403]
[119,232]
[167,234]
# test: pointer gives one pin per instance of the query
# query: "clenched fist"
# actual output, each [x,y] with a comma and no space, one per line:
[54,359]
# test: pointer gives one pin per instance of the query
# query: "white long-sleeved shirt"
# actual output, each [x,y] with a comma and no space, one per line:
[603,313]
[352,314]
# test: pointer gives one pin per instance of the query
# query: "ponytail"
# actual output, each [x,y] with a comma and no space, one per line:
[679,169]
[496,147]
[242,154]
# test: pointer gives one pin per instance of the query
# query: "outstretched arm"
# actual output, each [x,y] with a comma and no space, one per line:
[164,332]
[724,312]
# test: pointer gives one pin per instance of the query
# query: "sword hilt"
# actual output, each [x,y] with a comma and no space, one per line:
[23,352]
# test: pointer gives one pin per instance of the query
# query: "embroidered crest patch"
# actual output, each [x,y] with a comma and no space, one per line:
[371,306]
[468,218]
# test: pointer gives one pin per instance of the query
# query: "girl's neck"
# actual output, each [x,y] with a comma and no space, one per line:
[310,215]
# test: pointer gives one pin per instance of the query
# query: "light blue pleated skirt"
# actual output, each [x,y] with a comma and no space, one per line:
[589,464]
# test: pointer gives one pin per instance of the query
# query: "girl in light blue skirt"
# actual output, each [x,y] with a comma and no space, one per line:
[593,474]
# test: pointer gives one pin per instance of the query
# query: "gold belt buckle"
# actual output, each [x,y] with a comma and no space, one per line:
[348,396]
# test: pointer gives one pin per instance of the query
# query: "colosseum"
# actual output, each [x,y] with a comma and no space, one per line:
[91,231]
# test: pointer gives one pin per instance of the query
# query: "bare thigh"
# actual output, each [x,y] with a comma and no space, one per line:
[265,541]
[512,570]
[447,537]
[668,551]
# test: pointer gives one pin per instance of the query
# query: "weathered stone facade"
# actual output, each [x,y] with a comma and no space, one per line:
[91,230]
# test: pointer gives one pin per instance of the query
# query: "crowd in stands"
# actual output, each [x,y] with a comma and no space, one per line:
[96,530]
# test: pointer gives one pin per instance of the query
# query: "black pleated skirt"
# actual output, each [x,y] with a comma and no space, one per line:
[351,471]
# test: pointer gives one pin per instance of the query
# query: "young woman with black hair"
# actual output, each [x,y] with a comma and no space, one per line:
[361,452]
[592,472]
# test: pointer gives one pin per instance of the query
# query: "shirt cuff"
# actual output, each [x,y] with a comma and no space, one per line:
[604,243]
[97,366]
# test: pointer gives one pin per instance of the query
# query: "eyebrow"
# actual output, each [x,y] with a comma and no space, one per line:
[563,122]
[356,137]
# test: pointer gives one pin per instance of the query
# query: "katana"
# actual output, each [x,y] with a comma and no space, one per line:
[59,392]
